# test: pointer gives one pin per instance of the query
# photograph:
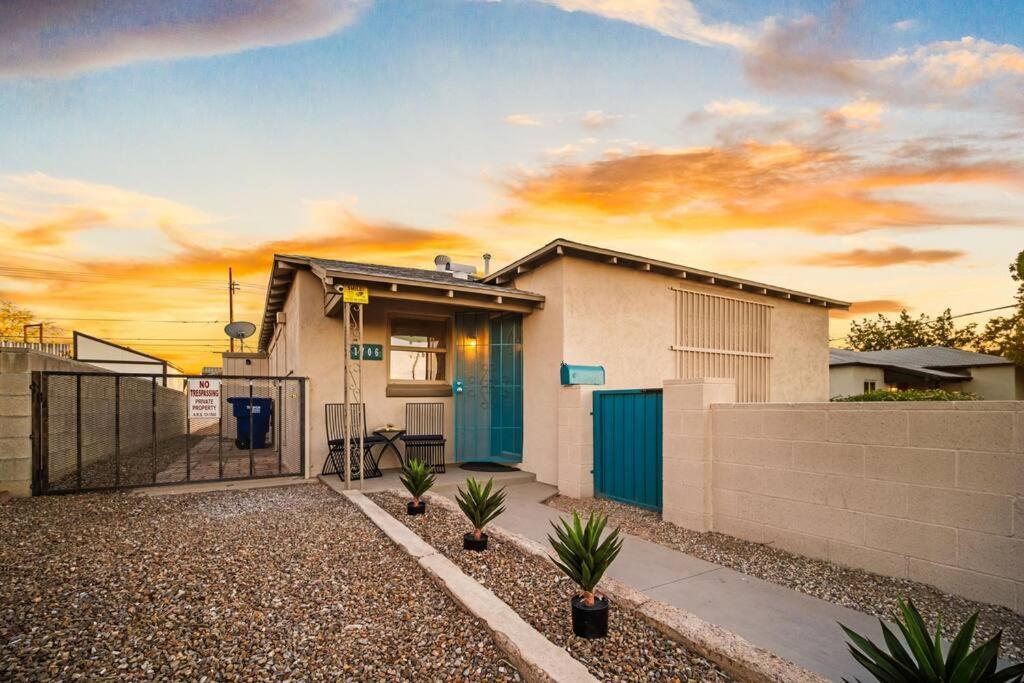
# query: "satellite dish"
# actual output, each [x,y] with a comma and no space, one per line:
[240,330]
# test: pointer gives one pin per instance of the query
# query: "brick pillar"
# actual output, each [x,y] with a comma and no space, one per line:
[686,449]
[15,423]
[575,441]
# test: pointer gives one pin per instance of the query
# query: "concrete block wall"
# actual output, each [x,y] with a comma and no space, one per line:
[16,368]
[930,491]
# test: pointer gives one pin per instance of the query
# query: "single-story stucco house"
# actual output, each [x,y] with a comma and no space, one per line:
[925,367]
[490,349]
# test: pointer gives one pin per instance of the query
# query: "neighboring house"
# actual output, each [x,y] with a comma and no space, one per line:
[116,358]
[925,367]
[500,340]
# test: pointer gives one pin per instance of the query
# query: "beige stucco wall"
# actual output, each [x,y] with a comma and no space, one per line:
[930,491]
[245,364]
[848,380]
[309,344]
[543,338]
[624,320]
[995,383]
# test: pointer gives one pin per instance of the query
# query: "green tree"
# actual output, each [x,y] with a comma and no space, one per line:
[13,319]
[1004,335]
[904,331]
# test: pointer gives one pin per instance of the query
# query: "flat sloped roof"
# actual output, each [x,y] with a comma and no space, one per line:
[937,357]
[402,273]
[843,357]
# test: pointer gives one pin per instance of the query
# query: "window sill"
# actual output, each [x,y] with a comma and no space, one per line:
[417,390]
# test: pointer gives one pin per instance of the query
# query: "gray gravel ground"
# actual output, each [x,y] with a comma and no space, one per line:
[269,584]
[633,650]
[855,588]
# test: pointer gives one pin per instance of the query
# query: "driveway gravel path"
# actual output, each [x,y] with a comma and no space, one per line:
[855,588]
[633,650]
[267,584]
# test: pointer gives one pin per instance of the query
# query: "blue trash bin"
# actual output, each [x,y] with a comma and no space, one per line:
[262,418]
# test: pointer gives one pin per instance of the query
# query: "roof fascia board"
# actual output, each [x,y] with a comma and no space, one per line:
[567,248]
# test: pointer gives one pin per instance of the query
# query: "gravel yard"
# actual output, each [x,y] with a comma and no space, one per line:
[633,650]
[268,584]
[855,588]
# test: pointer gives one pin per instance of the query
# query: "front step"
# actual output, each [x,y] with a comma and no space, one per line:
[448,488]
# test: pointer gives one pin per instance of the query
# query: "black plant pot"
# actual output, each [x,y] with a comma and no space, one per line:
[411,509]
[590,621]
[469,542]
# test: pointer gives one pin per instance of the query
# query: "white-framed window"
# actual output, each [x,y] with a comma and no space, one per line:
[869,385]
[418,350]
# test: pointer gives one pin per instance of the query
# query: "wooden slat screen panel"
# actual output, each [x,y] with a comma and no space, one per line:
[718,336]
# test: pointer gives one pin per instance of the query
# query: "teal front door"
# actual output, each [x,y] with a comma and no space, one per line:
[488,387]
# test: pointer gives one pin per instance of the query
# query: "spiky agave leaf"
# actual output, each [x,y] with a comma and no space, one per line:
[417,478]
[480,505]
[924,662]
[582,555]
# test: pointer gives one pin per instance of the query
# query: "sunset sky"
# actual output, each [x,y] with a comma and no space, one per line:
[866,151]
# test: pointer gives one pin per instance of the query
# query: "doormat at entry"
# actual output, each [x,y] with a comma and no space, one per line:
[487,467]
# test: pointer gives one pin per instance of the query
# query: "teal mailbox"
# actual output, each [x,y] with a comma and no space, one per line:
[582,374]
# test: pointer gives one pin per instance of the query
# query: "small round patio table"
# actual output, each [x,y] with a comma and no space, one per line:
[390,437]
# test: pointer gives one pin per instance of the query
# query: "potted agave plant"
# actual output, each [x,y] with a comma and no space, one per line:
[481,505]
[584,558]
[417,479]
[922,658]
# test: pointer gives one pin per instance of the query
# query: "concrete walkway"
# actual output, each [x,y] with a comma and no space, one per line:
[796,626]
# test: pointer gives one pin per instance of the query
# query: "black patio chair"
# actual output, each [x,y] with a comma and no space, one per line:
[334,414]
[424,434]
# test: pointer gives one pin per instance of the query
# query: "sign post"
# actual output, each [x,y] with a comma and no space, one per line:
[203,398]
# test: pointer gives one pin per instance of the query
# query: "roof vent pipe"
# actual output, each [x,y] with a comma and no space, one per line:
[487,265]
[441,262]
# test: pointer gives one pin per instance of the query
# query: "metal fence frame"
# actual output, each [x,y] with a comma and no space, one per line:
[40,429]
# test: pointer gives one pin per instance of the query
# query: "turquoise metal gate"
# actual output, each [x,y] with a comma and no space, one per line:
[627,446]
[488,387]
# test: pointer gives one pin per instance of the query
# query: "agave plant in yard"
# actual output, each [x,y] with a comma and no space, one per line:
[584,558]
[481,505]
[921,658]
[417,479]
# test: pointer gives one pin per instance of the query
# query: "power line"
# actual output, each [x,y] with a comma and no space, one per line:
[953,317]
[83,276]
[139,320]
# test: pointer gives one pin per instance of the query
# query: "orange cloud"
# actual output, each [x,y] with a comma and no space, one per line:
[869,306]
[868,258]
[811,187]
[183,276]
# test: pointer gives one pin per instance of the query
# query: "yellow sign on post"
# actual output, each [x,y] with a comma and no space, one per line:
[352,294]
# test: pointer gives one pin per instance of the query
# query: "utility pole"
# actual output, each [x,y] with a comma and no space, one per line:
[232,287]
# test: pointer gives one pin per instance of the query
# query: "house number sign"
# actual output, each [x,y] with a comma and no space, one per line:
[370,352]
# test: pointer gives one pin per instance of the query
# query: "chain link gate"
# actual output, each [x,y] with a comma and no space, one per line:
[94,431]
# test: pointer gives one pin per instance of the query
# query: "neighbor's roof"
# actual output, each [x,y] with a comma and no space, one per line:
[563,247]
[926,361]
[936,357]
[283,272]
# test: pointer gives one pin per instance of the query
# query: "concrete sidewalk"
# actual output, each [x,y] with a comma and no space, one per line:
[796,626]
